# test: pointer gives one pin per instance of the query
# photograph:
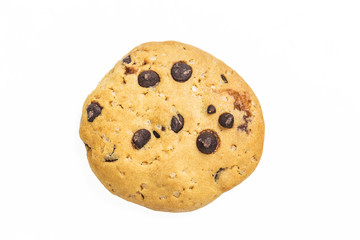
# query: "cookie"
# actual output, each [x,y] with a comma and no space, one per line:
[171,128]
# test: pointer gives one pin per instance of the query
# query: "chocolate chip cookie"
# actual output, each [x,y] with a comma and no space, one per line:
[171,127]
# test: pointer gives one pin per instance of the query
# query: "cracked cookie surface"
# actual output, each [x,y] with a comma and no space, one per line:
[171,127]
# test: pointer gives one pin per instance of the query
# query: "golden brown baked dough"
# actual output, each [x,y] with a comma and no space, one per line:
[171,127]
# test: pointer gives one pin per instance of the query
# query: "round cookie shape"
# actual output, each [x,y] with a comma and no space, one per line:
[171,127]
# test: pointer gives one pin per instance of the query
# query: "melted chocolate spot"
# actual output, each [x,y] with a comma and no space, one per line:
[177,123]
[129,70]
[127,59]
[224,78]
[140,138]
[181,72]
[211,109]
[208,141]
[93,110]
[244,126]
[242,100]
[226,120]
[148,78]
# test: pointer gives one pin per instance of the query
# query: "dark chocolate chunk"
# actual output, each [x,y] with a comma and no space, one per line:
[177,123]
[127,59]
[224,78]
[93,110]
[162,128]
[211,109]
[156,134]
[226,120]
[217,174]
[181,72]
[208,141]
[148,78]
[140,138]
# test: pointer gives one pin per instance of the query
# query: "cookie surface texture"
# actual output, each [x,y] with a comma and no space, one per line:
[151,137]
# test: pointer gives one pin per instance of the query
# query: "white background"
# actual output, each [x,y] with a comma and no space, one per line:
[302,59]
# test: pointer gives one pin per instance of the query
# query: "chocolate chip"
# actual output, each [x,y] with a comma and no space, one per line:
[211,109]
[162,128]
[226,120]
[181,72]
[148,78]
[177,123]
[156,134]
[127,59]
[93,110]
[140,138]
[224,78]
[208,141]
